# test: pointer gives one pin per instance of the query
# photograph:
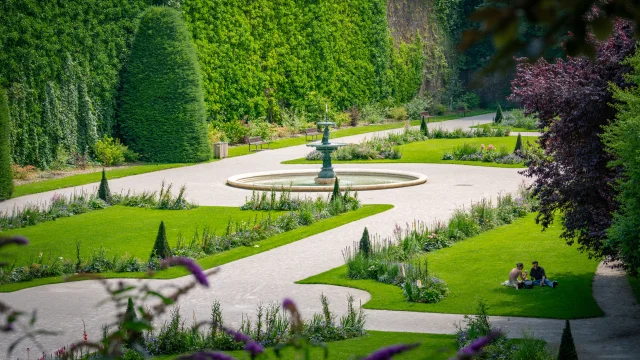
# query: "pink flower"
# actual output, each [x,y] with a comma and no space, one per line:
[491,147]
[481,146]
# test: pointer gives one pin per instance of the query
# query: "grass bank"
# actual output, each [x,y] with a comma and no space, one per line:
[431,152]
[475,268]
[433,347]
[132,230]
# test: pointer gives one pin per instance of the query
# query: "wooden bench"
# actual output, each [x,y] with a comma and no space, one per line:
[256,141]
[463,110]
[425,115]
[313,132]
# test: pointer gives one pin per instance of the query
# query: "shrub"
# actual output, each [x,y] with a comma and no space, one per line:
[416,106]
[6,173]
[161,247]
[232,131]
[335,194]
[162,113]
[567,347]
[471,100]
[109,151]
[517,118]
[499,116]
[103,191]
[398,113]
[437,109]
[365,243]
[294,120]
[354,112]
[518,148]
[424,129]
[372,113]
[342,118]
[260,127]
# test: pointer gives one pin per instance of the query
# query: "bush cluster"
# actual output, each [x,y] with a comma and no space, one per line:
[516,118]
[471,152]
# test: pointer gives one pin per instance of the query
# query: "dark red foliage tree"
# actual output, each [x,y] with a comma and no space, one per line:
[572,100]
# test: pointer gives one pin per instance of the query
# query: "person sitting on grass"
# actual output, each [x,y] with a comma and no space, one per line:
[516,273]
[539,277]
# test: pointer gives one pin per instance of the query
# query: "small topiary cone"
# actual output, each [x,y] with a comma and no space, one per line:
[365,243]
[499,115]
[336,190]
[133,336]
[518,144]
[161,247]
[423,127]
[103,191]
[567,347]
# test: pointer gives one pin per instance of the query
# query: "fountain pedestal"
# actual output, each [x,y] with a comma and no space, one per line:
[326,175]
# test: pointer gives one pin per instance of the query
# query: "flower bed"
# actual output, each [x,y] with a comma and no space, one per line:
[470,152]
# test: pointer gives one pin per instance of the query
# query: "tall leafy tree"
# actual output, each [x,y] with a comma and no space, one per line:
[162,114]
[622,138]
[571,98]
[6,173]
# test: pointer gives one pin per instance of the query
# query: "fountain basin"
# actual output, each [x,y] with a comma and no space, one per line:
[304,180]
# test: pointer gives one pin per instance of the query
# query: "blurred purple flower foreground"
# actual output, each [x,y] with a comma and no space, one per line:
[390,351]
[207,355]
[188,264]
[475,348]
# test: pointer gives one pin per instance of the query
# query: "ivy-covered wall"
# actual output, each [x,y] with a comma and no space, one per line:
[62,59]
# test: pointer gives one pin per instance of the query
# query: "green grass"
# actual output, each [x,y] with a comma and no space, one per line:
[494,126]
[282,143]
[136,230]
[635,287]
[431,151]
[83,179]
[434,347]
[475,268]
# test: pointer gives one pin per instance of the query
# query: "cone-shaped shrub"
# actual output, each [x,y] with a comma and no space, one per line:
[6,173]
[162,110]
[518,144]
[365,243]
[567,347]
[103,191]
[336,190]
[161,247]
[133,336]
[499,115]
[423,127]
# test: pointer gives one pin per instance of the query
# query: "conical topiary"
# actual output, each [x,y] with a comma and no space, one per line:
[336,190]
[423,127]
[103,191]
[6,173]
[130,317]
[162,112]
[567,347]
[365,243]
[518,144]
[161,247]
[499,115]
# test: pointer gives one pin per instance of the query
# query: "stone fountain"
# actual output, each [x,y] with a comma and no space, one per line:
[326,175]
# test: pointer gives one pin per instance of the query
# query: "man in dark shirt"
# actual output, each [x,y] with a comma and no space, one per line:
[539,277]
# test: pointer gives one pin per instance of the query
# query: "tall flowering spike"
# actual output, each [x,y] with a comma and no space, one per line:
[237,336]
[475,348]
[188,264]
[389,352]
[207,355]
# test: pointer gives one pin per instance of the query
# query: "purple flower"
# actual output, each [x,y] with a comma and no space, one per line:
[389,352]
[207,355]
[18,240]
[475,347]
[253,348]
[188,264]
[288,304]
[237,336]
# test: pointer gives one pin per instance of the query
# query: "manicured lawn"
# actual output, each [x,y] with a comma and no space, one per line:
[431,152]
[281,143]
[434,346]
[513,129]
[132,230]
[475,268]
[83,179]
[635,287]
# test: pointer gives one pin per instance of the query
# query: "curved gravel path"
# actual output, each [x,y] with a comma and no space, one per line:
[270,276]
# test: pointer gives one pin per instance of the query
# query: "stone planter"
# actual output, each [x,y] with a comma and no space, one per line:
[221,150]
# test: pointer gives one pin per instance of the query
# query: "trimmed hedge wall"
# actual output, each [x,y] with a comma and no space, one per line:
[162,113]
[6,175]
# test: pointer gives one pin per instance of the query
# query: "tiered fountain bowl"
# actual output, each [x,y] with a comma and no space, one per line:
[311,180]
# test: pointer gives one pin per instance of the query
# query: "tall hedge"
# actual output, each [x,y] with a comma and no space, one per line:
[162,113]
[6,174]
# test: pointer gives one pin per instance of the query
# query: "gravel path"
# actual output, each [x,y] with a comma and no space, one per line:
[270,276]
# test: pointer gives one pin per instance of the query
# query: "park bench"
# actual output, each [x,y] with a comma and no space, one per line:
[463,110]
[425,115]
[313,132]
[256,141]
